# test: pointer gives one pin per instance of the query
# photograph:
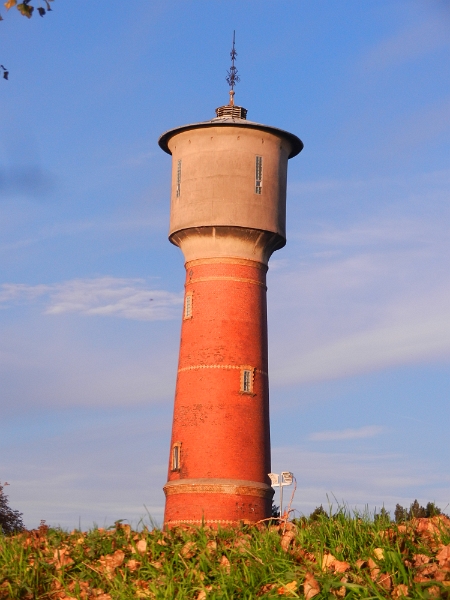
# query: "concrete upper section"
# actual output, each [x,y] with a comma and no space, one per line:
[215,177]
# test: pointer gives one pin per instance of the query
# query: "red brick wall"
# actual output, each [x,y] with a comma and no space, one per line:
[224,433]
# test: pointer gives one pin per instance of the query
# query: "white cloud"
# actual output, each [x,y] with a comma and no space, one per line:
[103,296]
[369,431]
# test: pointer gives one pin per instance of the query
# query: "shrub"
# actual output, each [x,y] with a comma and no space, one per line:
[10,520]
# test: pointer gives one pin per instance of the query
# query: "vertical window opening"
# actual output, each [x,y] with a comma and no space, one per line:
[188,306]
[247,380]
[258,175]
[179,178]
[176,456]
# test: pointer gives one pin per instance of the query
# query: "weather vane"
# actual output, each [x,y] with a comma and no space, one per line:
[232,75]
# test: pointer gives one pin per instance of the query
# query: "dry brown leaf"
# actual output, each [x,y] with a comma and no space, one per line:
[188,550]
[10,4]
[201,595]
[385,581]
[286,590]
[361,564]
[211,545]
[156,564]
[339,592]
[374,569]
[379,553]
[286,539]
[420,559]
[434,591]
[61,558]
[141,547]
[225,563]
[400,591]
[443,556]
[327,561]
[242,544]
[340,566]
[103,597]
[429,569]
[133,564]
[267,588]
[110,562]
[310,588]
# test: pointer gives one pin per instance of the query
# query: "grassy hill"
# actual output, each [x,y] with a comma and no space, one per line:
[324,556]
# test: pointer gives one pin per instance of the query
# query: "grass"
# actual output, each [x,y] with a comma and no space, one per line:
[327,556]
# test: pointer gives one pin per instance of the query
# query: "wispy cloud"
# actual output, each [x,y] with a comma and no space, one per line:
[410,43]
[104,296]
[369,431]
[361,479]
[367,295]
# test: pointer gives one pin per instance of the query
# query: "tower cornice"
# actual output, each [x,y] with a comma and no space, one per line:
[296,142]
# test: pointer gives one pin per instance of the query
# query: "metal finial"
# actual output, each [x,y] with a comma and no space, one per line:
[232,75]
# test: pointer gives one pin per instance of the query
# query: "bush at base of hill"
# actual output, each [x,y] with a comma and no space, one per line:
[10,520]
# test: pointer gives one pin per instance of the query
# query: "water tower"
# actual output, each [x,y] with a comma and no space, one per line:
[228,215]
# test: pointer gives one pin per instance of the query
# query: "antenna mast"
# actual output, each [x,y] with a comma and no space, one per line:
[232,77]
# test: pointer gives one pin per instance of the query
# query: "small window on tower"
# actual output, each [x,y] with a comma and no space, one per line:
[176,456]
[179,178]
[188,306]
[247,380]
[258,175]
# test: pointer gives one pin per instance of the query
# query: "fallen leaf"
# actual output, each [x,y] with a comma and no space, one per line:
[420,559]
[340,566]
[361,564]
[242,543]
[133,564]
[156,564]
[188,550]
[141,547]
[379,553]
[225,563]
[327,561]
[267,588]
[443,556]
[110,562]
[287,589]
[211,545]
[310,588]
[385,581]
[286,539]
[374,569]
[400,591]
[61,558]
[201,595]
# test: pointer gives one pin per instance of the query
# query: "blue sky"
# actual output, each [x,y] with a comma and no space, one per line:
[359,317]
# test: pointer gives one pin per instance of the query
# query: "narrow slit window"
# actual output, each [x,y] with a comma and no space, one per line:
[188,306]
[247,380]
[176,456]
[258,174]
[179,178]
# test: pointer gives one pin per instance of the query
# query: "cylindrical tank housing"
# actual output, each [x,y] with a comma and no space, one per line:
[229,173]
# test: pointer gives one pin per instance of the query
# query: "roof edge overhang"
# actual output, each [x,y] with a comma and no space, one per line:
[297,144]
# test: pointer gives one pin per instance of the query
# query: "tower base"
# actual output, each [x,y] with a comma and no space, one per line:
[228,501]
